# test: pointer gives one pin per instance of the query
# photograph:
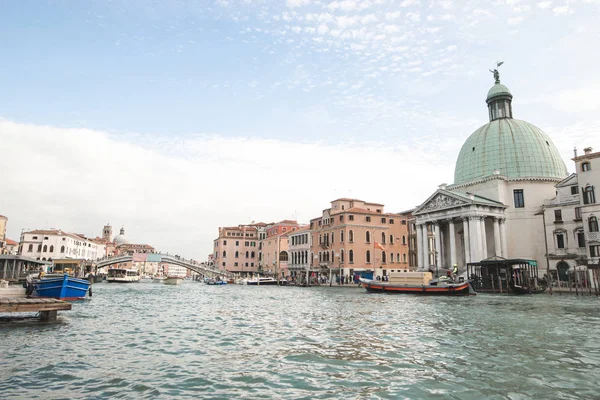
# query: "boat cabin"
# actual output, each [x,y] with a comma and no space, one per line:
[502,275]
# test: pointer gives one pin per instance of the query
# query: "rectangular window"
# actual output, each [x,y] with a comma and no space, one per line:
[560,241]
[595,251]
[574,189]
[392,222]
[368,219]
[519,198]
[223,263]
[557,216]
[577,213]
[246,244]
[588,195]
[383,220]
[580,239]
[237,242]
[341,218]
[235,264]
[351,217]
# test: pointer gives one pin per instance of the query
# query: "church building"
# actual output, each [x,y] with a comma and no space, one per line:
[504,172]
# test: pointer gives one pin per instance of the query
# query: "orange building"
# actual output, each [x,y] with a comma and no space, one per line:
[356,237]
[273,255]
[236,249]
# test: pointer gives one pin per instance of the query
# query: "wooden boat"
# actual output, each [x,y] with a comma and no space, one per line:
[61,287]
[216,282]
[447,289]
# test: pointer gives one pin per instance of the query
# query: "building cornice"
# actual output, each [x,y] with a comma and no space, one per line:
[501,177]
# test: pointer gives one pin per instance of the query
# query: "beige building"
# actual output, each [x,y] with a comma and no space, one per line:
[236,249]
[274,256]
[356,237]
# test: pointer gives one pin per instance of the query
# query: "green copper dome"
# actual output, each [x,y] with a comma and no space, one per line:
[517,149]
[514,148]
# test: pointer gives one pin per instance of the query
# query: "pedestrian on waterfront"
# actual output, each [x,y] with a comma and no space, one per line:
[455,272]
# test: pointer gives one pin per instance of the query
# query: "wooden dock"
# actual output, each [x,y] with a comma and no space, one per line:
[47,308]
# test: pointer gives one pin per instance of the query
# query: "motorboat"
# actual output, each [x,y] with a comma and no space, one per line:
[63,287]
[173,280]
[420,283]
[122,275]
[262,281]
[216,282]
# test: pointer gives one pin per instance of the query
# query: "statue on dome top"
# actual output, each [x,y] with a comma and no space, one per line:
[495,71]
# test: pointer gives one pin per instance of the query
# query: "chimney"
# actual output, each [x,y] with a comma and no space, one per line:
[587,150]
[575,151]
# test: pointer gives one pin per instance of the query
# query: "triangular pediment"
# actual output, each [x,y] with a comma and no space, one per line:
[568,181]
[441,200]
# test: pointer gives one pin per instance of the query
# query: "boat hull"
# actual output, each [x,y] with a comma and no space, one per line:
[62,288]
[458,289]
[266,283]
[122,280]
[172,281]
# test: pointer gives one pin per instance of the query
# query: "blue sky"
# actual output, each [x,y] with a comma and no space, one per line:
[218,83]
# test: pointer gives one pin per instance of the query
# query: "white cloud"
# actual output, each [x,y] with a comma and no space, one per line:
[173,192]
[544,4]
[563,10]
[515,20]
[297,3]
[367,19]
[345,21]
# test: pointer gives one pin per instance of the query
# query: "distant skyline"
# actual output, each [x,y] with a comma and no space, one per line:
[173,118]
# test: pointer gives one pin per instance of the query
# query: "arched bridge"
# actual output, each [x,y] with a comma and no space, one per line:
[157,257]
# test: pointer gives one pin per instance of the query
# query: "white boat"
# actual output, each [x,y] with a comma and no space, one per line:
[122,275]
[262,281]
[173,280]
[158,279]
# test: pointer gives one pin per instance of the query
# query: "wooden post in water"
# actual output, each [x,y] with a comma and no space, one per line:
[493,286]
[500,283]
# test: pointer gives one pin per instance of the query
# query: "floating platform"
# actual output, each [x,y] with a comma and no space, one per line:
[47,308]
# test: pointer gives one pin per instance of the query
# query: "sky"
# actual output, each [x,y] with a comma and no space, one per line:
[172,118]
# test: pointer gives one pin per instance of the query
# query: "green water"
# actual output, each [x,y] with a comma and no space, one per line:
[196,341]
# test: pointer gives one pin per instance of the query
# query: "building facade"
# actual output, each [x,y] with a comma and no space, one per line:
[274,257]
[53,244]
[504,172]
[236,249]
[588,176]
[300,255]
[357,237]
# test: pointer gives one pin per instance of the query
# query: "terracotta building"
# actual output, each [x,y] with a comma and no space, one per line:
[273,255]
[357,237]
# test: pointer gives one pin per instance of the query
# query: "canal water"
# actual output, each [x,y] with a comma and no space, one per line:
[196,341]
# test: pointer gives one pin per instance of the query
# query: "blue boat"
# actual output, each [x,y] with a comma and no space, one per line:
[62,287]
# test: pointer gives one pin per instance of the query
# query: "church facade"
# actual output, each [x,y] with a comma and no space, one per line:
[504,172]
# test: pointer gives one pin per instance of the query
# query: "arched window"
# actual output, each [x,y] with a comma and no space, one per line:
[351,236]
[252,255]
[283,256]
[589,197]
[45,248]
[391,257]
[237,254]
[320,257]
[391,239]
[30,248]
[51,248]
[342,255]
[404,258]
[351,256]
[341,236]
[383,259]
[593,224]
[224,254]
[247,254]
[320,239]
[398,257]
[403,239]
[368,237]
[331,237]
[382,237]
[39,247]
[62,249]
[368,256]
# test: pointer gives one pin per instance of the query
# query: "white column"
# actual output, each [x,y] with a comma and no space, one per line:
[497,244]
[475,239]
[438,245]
[420,261]
[467,239]
[484,253]
[503,237]
[452,243]
[425,249]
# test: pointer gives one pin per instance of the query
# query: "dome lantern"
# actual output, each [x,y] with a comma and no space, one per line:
[499,99]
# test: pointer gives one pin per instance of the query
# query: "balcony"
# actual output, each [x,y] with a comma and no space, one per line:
[593,236]
[324,245]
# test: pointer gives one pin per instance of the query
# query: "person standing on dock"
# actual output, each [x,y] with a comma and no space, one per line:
[455,272]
